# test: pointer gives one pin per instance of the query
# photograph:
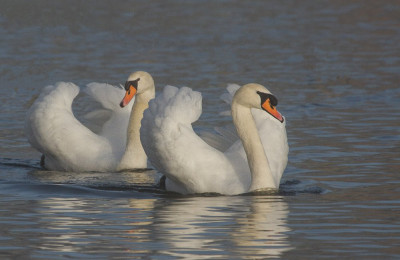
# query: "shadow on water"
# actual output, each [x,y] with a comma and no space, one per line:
[28,176]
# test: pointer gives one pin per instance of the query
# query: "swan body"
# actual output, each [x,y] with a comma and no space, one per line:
[252,159]
[68,145]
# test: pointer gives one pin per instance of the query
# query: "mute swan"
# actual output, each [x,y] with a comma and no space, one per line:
[254,161]
[68,145]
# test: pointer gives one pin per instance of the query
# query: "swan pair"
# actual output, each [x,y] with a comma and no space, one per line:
[248,157]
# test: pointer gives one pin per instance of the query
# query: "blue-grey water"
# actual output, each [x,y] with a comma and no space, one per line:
[334,66]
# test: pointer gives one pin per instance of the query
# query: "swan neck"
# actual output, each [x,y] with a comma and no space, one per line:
[134,152]
[261,176]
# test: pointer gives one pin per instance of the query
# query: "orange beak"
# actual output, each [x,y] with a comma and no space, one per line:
[272,110]
[129,94]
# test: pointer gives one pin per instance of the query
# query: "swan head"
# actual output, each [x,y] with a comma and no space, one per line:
[257,96]
[138,83]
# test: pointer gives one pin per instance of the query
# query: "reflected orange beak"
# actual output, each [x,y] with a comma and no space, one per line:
[129,94]
[272,110]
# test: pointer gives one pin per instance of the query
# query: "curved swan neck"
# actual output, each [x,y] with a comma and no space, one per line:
[134,152]
[261,176]
[140,105]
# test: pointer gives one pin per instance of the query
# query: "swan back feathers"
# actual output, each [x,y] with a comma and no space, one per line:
[181,104]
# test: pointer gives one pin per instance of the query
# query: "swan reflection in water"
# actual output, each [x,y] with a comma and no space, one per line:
[197,227]
[111,222]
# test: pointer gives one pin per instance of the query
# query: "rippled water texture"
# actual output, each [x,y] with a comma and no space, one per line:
[334,66]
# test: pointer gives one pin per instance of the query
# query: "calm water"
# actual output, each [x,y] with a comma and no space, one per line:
[334,65]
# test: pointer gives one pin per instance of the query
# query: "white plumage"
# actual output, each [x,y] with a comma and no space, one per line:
[192,165]
[68,145]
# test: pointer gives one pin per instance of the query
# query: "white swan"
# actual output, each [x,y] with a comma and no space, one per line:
[68,145]
[255,161]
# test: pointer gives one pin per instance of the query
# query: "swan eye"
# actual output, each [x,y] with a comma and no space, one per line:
[270,104]
[273,101]
[133,83]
